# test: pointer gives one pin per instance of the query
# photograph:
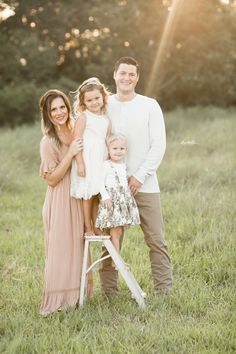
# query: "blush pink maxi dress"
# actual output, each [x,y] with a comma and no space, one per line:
[63,234]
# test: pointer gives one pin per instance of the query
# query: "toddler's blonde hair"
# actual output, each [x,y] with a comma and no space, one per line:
[115,137]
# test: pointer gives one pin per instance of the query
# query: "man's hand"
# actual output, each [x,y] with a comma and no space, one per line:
[134,185]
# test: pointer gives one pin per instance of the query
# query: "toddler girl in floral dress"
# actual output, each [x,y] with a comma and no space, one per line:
[117,207]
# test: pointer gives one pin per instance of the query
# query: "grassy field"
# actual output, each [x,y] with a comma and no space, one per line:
[198,184]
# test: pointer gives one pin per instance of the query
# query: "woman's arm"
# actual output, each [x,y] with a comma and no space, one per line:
[56,175]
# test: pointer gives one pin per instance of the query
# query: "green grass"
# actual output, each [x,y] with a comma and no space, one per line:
[198,183]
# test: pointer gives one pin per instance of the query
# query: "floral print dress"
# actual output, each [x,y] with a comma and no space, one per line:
[123,211]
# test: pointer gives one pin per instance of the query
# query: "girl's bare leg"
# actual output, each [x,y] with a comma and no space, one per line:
[94,215]
[87,207]
[116,233]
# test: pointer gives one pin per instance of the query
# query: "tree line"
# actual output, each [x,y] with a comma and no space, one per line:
[186,49]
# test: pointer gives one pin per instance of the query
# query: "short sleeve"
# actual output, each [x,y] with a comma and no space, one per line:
[49,157]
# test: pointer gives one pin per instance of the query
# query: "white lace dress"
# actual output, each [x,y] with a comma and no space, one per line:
[94,154]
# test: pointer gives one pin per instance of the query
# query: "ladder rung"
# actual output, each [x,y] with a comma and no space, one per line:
[99,238]
[96,262]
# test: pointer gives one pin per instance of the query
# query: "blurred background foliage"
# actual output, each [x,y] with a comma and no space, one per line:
[57,44]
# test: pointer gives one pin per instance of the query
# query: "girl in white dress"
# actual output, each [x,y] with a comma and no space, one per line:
[93,126]
[117,207]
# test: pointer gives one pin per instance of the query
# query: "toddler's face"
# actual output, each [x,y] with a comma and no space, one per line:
[117,150]
[93,101]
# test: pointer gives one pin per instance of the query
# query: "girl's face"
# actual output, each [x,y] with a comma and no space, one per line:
[58,111]
[93,101]
[117,150]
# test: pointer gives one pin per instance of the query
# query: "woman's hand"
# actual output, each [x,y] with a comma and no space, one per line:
[75,147]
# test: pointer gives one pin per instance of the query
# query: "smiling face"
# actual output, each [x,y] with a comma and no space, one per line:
[93,101]
[58,111]
[126,78]
[117,150]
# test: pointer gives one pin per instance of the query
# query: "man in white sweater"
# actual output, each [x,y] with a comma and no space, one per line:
[140,119]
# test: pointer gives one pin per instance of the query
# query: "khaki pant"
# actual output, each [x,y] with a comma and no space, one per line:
[149,206]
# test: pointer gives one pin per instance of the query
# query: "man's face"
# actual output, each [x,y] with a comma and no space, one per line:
[126,78]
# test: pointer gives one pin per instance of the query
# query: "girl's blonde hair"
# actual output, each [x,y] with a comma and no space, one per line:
[88,85]
[47,126]
[115,137]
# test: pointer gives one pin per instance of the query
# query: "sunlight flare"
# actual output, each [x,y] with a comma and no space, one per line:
[165,41]
[5,12]
[225,2]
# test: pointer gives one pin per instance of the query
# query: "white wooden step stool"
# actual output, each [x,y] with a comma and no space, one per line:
[127,275]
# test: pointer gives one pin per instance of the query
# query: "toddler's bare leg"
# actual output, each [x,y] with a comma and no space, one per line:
[94,215]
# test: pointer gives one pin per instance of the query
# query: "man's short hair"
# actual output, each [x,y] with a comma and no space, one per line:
[129,61]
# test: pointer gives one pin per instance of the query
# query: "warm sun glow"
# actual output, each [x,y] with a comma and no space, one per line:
[165,41]
[23,61]
[6,12]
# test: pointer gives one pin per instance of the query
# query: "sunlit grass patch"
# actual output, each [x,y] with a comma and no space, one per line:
[198,183]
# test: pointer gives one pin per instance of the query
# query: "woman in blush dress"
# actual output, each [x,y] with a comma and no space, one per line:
[62,215]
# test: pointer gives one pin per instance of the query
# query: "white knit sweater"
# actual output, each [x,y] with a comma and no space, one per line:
[141,121]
